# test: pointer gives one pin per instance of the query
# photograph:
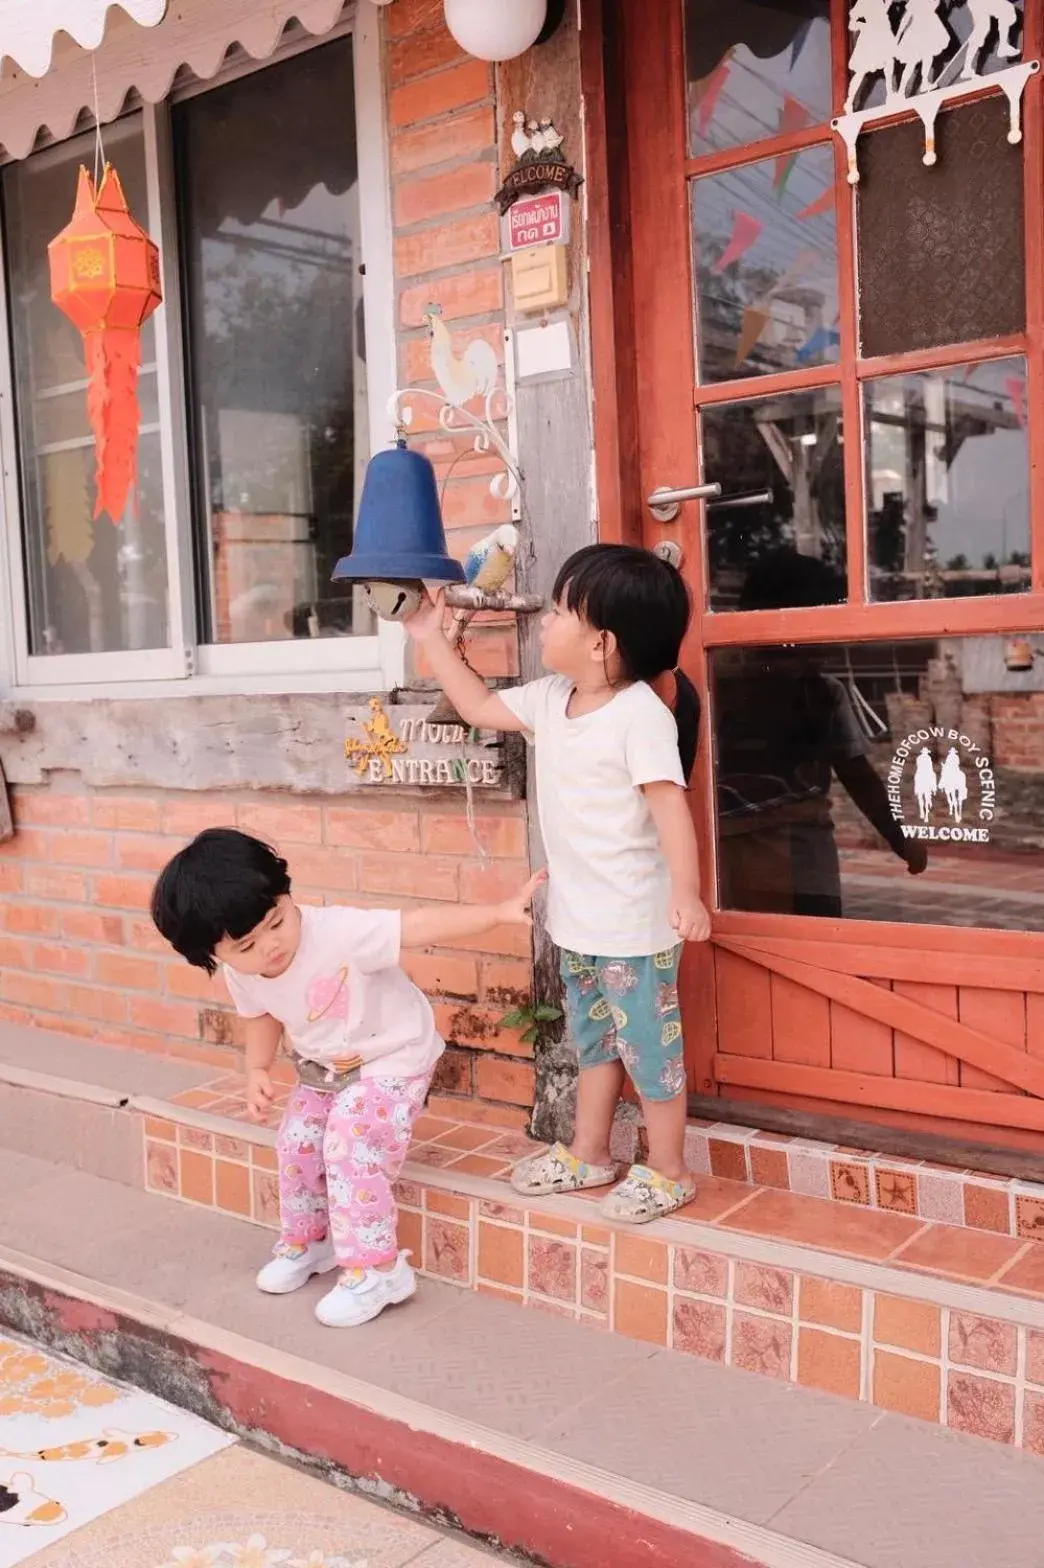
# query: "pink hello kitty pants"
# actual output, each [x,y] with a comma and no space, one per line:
[338,1157]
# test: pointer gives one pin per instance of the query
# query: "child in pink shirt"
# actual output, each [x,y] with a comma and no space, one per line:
[361,1036]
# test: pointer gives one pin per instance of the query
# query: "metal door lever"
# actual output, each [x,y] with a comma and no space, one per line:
[665,503]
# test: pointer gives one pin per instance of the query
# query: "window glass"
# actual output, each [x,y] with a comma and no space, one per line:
[91,587]
[941,251]
[883,781]
[777,539]
[756,68]
[268,181]
[765,261]
[948,482]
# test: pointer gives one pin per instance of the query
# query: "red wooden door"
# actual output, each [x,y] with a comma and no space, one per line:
[931,1006]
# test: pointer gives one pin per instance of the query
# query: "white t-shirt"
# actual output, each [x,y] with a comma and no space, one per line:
[344,997]
[608,884]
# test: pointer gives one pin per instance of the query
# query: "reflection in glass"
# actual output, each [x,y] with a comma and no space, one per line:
[948,482]
[765,259]
[91,587]
[268,176]
[788,549]
[755,69]
[882,781]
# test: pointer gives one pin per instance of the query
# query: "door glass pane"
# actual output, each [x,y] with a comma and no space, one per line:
[781,542]
[948,482]
[941,250]
[765,259]
[756,68]
[899,781]
[268,179]
[90,587]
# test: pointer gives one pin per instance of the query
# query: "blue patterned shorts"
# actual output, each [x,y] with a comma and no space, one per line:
[626,1010]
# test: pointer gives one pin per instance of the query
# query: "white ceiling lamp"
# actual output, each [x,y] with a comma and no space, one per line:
[496,29]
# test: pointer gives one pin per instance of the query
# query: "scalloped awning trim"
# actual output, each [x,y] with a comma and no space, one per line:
[193,33]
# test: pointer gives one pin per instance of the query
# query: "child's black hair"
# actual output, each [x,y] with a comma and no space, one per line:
[222,884]
[642,600]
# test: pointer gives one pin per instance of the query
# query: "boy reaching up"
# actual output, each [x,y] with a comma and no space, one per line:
[623,893]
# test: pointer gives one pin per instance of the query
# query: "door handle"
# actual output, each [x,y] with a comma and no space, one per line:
[665,503]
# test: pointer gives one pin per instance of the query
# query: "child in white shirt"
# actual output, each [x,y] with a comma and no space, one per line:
[623,864]
[361,1035]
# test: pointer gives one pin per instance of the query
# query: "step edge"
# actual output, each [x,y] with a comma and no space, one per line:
[762,1545]
[63,1088]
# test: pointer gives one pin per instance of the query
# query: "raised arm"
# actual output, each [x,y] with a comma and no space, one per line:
[674,827]
[442,925]
[468,692]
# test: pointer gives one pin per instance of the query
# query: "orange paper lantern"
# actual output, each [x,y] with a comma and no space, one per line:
[105,277]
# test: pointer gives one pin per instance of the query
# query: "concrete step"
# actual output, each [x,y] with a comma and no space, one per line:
[941,1322]
[578,1447]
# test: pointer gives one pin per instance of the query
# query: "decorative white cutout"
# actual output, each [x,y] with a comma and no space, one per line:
[463,377]
[907,59]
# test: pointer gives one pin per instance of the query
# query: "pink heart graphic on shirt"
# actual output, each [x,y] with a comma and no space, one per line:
[328,997]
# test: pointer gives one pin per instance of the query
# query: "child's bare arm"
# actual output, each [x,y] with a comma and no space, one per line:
[670,812]
[438,925]
[468,692]
[262,1042]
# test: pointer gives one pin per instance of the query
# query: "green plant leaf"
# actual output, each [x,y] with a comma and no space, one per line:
[531,1035]
[515,1019]
[547,1015]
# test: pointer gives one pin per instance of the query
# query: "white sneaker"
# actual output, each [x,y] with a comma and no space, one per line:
[354,1301]
[293,1266]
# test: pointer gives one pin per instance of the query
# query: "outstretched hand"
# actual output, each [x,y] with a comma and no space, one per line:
[426,622]
[518,910]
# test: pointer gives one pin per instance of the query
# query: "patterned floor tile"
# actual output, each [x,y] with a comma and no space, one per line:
[76,1446]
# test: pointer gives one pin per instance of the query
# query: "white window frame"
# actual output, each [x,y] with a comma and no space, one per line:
[373,662]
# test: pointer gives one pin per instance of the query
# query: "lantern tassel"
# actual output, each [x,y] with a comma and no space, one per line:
[113,359]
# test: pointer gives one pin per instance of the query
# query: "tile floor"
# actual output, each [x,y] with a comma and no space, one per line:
[96,1475]
[76,1446]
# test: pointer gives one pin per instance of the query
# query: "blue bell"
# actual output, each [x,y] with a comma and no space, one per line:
[399,536]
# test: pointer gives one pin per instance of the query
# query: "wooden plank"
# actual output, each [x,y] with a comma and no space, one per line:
[1003,1016]
[800,1023]
[1033,175]
[1016,1067]
[966,1105]
[926,618]
[860,1044]
[909,963]
[1035,1026]
[914,1059]
[744,1006]
[742,925]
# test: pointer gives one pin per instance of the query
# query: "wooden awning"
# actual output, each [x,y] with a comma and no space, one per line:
[54,52]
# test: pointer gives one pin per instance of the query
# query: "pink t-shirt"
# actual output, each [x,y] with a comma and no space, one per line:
[344,997]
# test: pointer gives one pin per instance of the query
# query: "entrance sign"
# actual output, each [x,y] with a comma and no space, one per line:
[401,747]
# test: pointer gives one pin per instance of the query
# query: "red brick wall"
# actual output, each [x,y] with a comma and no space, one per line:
[443,154]
[77,951]
[79,955]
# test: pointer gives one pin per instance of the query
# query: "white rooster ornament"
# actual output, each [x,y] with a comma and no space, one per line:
[461,376]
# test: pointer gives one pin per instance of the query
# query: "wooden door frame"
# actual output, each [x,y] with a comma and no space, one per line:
[638,170]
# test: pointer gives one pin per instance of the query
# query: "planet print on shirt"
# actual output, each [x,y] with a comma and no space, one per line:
[327,997]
